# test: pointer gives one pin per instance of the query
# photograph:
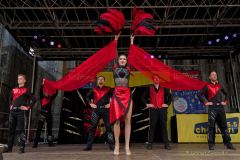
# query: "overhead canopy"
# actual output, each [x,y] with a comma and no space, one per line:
[184,26]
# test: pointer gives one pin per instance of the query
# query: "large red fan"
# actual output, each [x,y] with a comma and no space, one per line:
[142,23]
[110,22]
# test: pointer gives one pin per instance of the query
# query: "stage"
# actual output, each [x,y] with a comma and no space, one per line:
[101,152]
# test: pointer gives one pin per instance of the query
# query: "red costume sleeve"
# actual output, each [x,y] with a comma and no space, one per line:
[85,72]
[170,77]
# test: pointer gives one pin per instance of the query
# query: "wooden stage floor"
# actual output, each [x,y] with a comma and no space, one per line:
[101,152]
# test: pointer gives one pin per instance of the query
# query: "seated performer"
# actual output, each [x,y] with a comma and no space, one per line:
[160,99]
[101,97]
[211,96]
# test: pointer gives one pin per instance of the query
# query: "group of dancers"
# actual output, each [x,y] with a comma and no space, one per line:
[115,106]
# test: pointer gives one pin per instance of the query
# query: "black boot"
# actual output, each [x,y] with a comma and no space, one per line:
[50,141]
[211,146]
[149,146]
[21,141]
[35,144]
[111,147]
[6,149]
[88,148]
[230,146]
[110,140]
[21,150]
[167,146]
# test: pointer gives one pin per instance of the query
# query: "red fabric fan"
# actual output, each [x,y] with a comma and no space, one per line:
[120,17]
[169,77]
[142,30]
[142,23]
[85,72]
[110,22]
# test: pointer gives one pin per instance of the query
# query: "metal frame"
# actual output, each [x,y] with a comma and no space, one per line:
[182,24]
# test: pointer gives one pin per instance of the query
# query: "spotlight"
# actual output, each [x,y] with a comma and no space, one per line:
[209,42]
[217,40]
[234,35]
[59,45]
[159,56]
[43,40]
[52,43]
[226,37]
[31,49]
[35,37]
[152,56]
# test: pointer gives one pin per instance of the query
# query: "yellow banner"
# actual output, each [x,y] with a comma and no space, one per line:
[170,114]
[136,79]
[193,127]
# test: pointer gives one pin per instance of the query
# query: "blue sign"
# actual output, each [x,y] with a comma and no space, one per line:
[187,102]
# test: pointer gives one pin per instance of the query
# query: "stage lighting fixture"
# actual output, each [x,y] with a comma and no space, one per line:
[59,45]
[152,56]
[226,37]
[43,40]
[234,35]
[209,42]
[31,49]
[52,43]
[217,40]
[159,56]
[35,37]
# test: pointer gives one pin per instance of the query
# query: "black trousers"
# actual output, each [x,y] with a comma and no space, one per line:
[45,115]
[97,114]
[217,116]
[16,127]
[154,115]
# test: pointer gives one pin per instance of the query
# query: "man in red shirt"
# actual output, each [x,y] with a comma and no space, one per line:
[212,97]
[157,99]
[21,99]
[98,98]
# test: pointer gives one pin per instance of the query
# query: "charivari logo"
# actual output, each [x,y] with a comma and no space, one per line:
[232,123]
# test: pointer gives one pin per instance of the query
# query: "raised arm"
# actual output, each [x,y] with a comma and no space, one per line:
[117,36]
[132,39]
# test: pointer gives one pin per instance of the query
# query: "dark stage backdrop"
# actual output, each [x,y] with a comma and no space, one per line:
[4,111]
[71,118]
[75,119]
